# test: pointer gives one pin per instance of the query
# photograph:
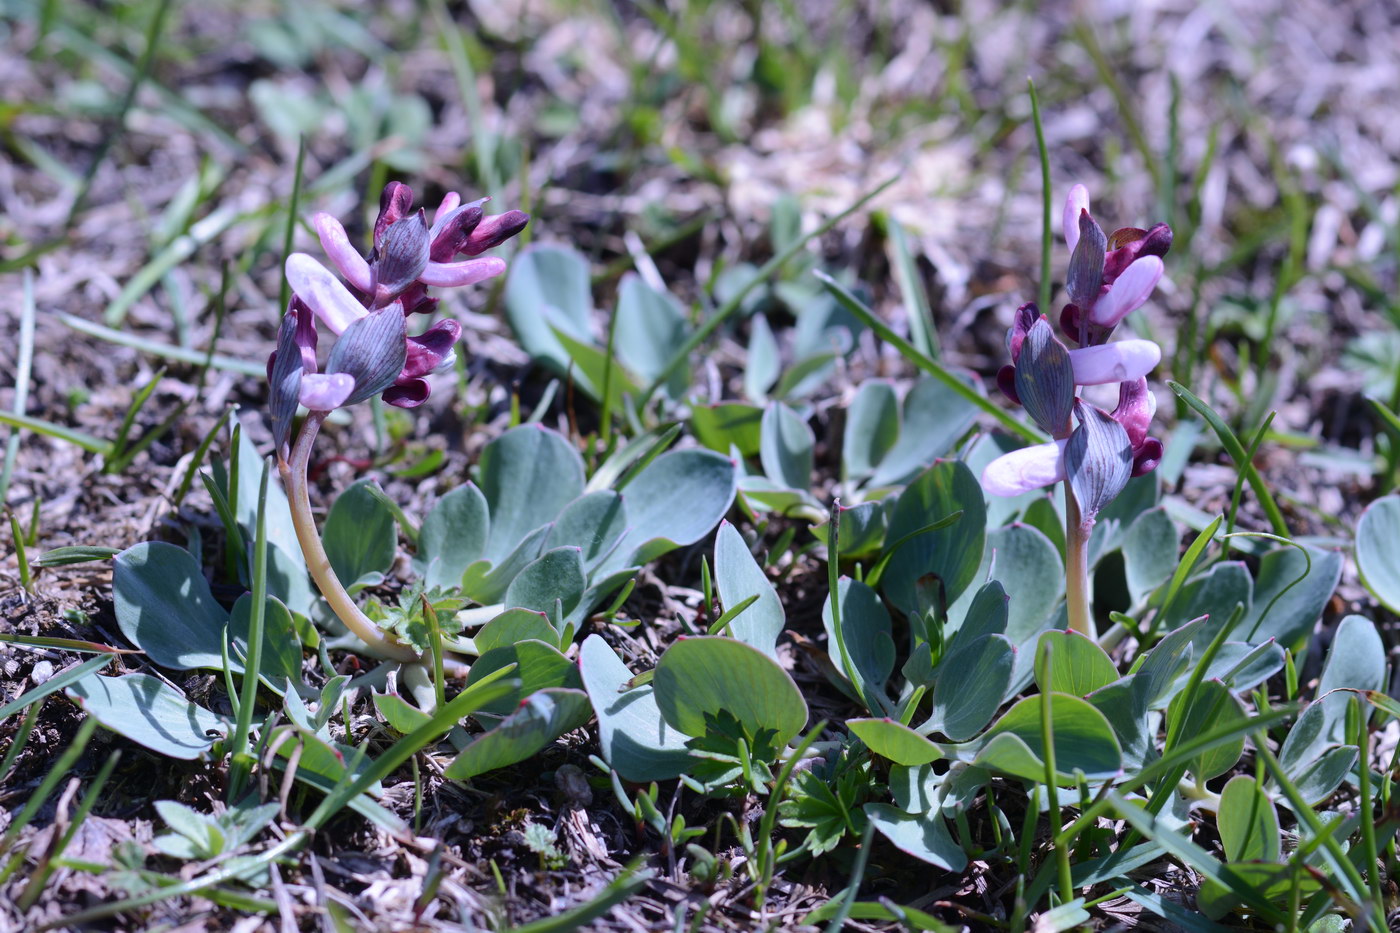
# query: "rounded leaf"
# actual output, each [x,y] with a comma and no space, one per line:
[699,678]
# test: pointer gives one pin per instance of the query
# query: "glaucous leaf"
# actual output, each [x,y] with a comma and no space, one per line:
[555,575]
[1084,741]
[594,522]
[148,712]
[1356,659]
[514,626]
[1212,706]
[675,500]
[1079,666]
[527,475]
[1150,547]
[925,837]
[487,585]
[359,534]
[935,417]
[865,622]
[453,537]
[872,428]
[701,677]
[650,328]
[763,366]
[553,277]
[1214,595]
[164,607]
[951,554]
[969,685]
[1247,822]
[1289,596]
[862,530]
[635,739]
[737,577]
[1377,557]
[540,719]
[538,666]
[785,447]
[895,741]
[281,650]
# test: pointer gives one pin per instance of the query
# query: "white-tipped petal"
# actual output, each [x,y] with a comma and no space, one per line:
[1114,362]
[323,292]
[1026,469]
[326,391]
[467,272]
[341,251]
[1077,201]
[1128,292]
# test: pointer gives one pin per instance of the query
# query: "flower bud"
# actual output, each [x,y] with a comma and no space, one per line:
[394,204]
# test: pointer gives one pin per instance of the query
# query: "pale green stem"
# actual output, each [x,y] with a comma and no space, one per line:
[1077,567]
[294,479]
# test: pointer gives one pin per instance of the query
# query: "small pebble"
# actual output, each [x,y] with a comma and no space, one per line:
[41,672]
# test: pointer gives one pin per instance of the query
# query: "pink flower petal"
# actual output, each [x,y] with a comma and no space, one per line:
[1077,201]
[449,204]
[326,391]
[468,272]
[1129,292]
[340,250]
[323,293]
[1114,362]
[1136,406]
[1026,469]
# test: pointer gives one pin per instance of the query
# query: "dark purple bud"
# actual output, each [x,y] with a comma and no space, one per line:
[394,204]
[407,394]
[1136,406]
[493,231]
[1157,241]
[1098,460]
[1152,242]
[1146,457]
[306,333]
[415,300]
[372,351]
[450,234]
[1044,380]
[1070,320]
[1006,381]
[1021,324]
[1085,278]
[427,351]
[284,370]
[400,259]
[1123,236]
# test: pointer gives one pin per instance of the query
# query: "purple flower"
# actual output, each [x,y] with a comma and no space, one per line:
[1110,276]
[407,257]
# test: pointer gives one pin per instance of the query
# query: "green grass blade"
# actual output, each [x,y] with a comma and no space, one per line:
[867,317]
[1045,198]
[54,684]
[92,445]
[25,362]
[163,350]
[735,301]
[1237,453]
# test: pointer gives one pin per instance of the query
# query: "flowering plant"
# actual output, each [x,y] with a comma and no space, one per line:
[373,353]
[1109,276]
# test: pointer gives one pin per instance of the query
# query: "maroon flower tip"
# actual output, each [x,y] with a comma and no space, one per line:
[409,393]
[1006,381]
[493,231]
[1157,241]
[454,232]
[1070,321]
[394,204]
[427,350]
[1146,457]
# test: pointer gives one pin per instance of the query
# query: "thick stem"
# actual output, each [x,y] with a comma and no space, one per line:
[1077,567]
[294,479]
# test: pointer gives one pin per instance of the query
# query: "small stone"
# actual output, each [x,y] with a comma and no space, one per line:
[41,672]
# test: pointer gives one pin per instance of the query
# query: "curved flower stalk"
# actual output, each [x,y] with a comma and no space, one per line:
[373,353]
[1094,452]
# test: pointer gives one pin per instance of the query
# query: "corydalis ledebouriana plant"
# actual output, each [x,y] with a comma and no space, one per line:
[373,353]
[1109,276]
